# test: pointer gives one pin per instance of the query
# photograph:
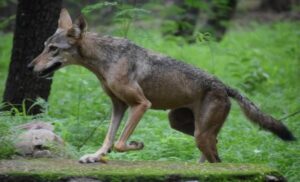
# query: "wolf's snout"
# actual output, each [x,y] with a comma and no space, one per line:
[30,67]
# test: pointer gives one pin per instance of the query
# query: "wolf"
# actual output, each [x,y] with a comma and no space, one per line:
[137,79]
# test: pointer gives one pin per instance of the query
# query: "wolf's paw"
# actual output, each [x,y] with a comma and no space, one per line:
[92,158]
[133,145]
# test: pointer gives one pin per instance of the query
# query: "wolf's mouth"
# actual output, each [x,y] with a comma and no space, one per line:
[50,69]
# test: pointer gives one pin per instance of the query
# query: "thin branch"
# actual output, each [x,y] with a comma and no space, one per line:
[290,115]
[92,132]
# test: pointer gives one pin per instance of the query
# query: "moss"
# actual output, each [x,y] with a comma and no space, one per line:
[62,169]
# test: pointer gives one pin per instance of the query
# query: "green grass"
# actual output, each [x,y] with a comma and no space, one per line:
[262,61]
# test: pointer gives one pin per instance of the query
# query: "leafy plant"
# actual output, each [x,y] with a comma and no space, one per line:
[251,76]
[4,23]
[92,7]
[123,17]
[126,15]
[6,141]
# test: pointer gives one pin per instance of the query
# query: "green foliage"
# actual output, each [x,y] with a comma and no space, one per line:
[123,17]
[8,132]
[130,13]
[92,7]
[203,5]
[78,94]
[203,37]
[6,142]
[4,3]
[252,77]
[5,22]
[5,47]
[126,15]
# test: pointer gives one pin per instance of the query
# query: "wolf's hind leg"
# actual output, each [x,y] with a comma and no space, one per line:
[208,122]
[182,119]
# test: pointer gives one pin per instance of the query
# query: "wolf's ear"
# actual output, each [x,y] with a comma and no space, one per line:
[64,21]
[81,23]
[78,28]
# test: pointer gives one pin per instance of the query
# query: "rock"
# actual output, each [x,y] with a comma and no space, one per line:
[34,125]
[37,140]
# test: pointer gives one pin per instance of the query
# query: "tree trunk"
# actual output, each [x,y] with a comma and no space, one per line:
[276,5]
[36,20]
[219,17]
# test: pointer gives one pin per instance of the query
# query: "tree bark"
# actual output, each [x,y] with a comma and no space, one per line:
[36,20]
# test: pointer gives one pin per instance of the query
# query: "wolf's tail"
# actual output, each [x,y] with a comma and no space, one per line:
[265,121]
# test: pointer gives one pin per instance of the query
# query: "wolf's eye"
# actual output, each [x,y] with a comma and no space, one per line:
[52,48]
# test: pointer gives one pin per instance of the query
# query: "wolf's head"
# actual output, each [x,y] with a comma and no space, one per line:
[62,47]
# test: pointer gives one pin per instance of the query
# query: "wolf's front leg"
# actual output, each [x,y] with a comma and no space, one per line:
[119,109]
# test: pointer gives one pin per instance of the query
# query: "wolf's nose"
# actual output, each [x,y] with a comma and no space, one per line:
[30,67]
